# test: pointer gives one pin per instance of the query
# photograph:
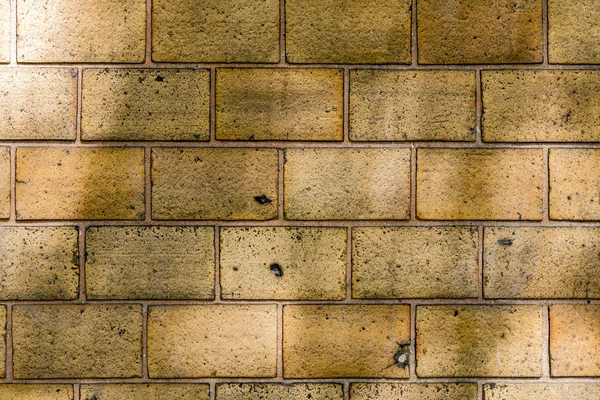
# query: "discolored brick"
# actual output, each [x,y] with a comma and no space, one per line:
[541,391]
[144,391]
[279,104]
[411,391]
[36,392]
[278,391]
[5,182]
[5,37]
[573,32]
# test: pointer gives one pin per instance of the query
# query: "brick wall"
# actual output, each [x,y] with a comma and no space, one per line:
[300,199]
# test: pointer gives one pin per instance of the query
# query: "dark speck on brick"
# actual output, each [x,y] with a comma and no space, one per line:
[262,199]
[505,242]
[276,269]
[160,79]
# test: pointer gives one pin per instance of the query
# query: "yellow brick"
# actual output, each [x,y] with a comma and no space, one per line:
[312,262]
[5,37]
[542,263]
[277,391]
[541,391]
[144,391]
[39,263]
[411,391]
[81,31]
[479,184]
[390,263]
[573,32]
[479,32]
[332,341]
[214,183]
[80,183]
[4,182]
[150,263]
[479,341]
[574,338]
[348,32]
[347,184]
[215,31]
[279,104]
[540,106]
[212,341]
[145,104]
[77,341]
[412,105]
[36,392]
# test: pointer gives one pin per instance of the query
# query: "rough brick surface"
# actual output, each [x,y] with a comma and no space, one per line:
[36,392]
[4,182]
[5,36]
[540,391]
[140,391]
[3,328]
[574,32]
[411,391]
[299,391]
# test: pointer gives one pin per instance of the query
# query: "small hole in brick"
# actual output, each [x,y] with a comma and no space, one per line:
[401,358]
[262,199]
[160,79]
[276,269]
[505,242]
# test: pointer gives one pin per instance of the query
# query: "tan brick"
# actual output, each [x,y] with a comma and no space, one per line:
[479,184]
[144,391]
[5,38]
[479,32]
[278,391]
[540,391]
[2,341]
[80,183]
[212,340]
[150,263]
[214,183]
[542,262]
[4,182]
[81,31]
[39,263]
[347,183]
[574,338]
[573,32]
[348,32]
[331,341]
[145,104]
[574,184]
[391,262]
[283,263]
[36,392]
[215,31]
[279,104]
[77,341]
[479,341]
[412,105]
[540,106]
[411,391]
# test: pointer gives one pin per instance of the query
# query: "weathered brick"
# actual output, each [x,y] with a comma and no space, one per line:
[145,104]
[36,392]
[332,341]
[4,182]
[77,341]
[5,37]
[479,184]
[144,391]
[212,340]
[542,262]
[540,106]
[574,338]
[573,32]
[39,263]
[279,104]
[81,31]
[348,32]
[479,341]
[412,105]
[2,341]
[390,262]
[215,31]
[574,184]
[479,32]
[283,263]
[80,183]
[214,183]
[411,391]
[150,263]
[347,183]
[277,391]
[541,391]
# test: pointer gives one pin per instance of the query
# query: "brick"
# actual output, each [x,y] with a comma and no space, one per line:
[278,391]
[411,391]
[541,263]
[36,392]
[573,32]
[477,32]
[343,184]
[81,31]
[479,341]
[2,341]
[4,182]
[150,263]
[214,183]
[540,106]
[479,184]
[77,341]
[279,104]
[39,263]
[5,38]
[334,341]
[283,263]
[141,391]
[574,337]
[390,263]
[145,104]
[348,32]
[574,184]
[80,183]
[215,31]
[540,391]
[412,105]
[212,341]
